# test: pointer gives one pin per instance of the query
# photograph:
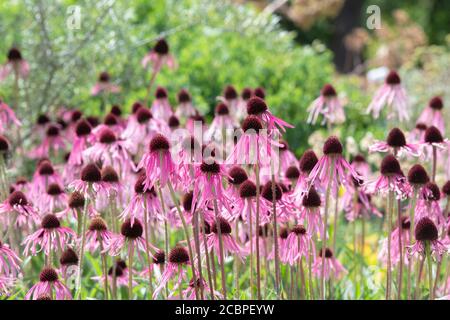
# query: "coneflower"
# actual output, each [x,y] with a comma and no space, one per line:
[49,286]
[16,64]
[396,144]
[328,105]
[432,114]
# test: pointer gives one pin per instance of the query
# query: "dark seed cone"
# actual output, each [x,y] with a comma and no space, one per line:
[332,146]
[183,96]
[116,110]
[107,136]
[17,198]
[118,271]
[292,173]
[161,47]
[14,55]
[246,93]
[76,200]
[421,126]
[103,77]
[434,192]
[284,232]
[45,168]
[436,103]
[225,226]
[135,107]
[50,221]
[131,231]
[328,253]
[230,93]
[159,143]
[252,123]
[417,175]
[43,119]
[260,93]
[75,115]
[299,230]
[446,189]
[267,191]
[161,93]
[393,78]
[98,224]
[426,230]
[178,255]
[52,131]
[111,120]
[48,275]
[173,122]
[91,173]
[109,174]
[83,128]
[308,161]
[328,91]
[222,109]
[187,201]
[312,199]
[406,224]
[396,138]
[237,175]
[93,121]
[159,257]
[433,135]
[54,189]
[390,166]
[4,144]
[256,106]
[143,115]
[247,189]
[68,257]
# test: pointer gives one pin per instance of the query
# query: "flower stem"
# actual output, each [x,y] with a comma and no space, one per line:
[258,265]
[275,240]
[208,269]
[104,267]
[147,252]
[324,232]
[186,234]
[150,85]
[390,208]
[250,232]
[197,249]
[400,250]
[430,269]
[83,242]
[411,237]
[130,270]
[221,256]
[433,176]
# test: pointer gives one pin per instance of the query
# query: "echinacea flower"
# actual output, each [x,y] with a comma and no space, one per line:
[103,85]
[19,209]
[161,108]
[54,198]
[286,157]
[426,234]
[230,246]
[44,175]
[15,64]
[403,232]
[332,158]
[332,266]
[97,234]
[361,166]
[393,95]
[258,107]
[244,205]
[131,235]
[310,211]
[237,176]
[90,183]
[82,131]
[159,56]
[9,261]
[396,144]
[158,163]
[221,124]
[428,204]
[432,114]
[417,135]
[185,108]
[7,117]
[327,105]
[298,245]
[433,140]
[306,164]
[53,141]
[68,259]
[49,286]
[51,236]
[391,179]
[189,292]
[178,258]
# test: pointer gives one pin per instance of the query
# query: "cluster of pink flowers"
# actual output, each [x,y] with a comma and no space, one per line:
[162,198]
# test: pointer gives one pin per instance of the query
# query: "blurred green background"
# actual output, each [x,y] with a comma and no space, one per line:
[291,48]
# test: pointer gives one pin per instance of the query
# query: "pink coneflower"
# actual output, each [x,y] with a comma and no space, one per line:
[245,204]
[257,106]
[428,204]
[9,261]
[432,114]
[433,139]
[396,144]
[417,135]
[332,158]
[189,292]
[104,85]
[173,122]
[49,237]
[208,184]
[15,64]
[97,234]
[196,122]
[53,141]
[7,117]
[82,131]
[161,108]
[230,98]
[230,246]
[109,150]
[117,275]
[75,205]
[91,178]
[393,95]
[131,235]
[287,157]
[111,184]
[44,175]
[221,123]
[54,198]
[185,108]
[297,245]
[159,56]
[285,207]
[6,284]
[49,286]
[396,251]
[157,162]
[178,258]
[310,211]
[332,265]
[237,175]
[361,166]
[111,121]
[306,164]
[142,198]
[361,208]
[18,207]
[254,146]
[426,234]
[327,105]
[189,153]
[391,179]
[68,259]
